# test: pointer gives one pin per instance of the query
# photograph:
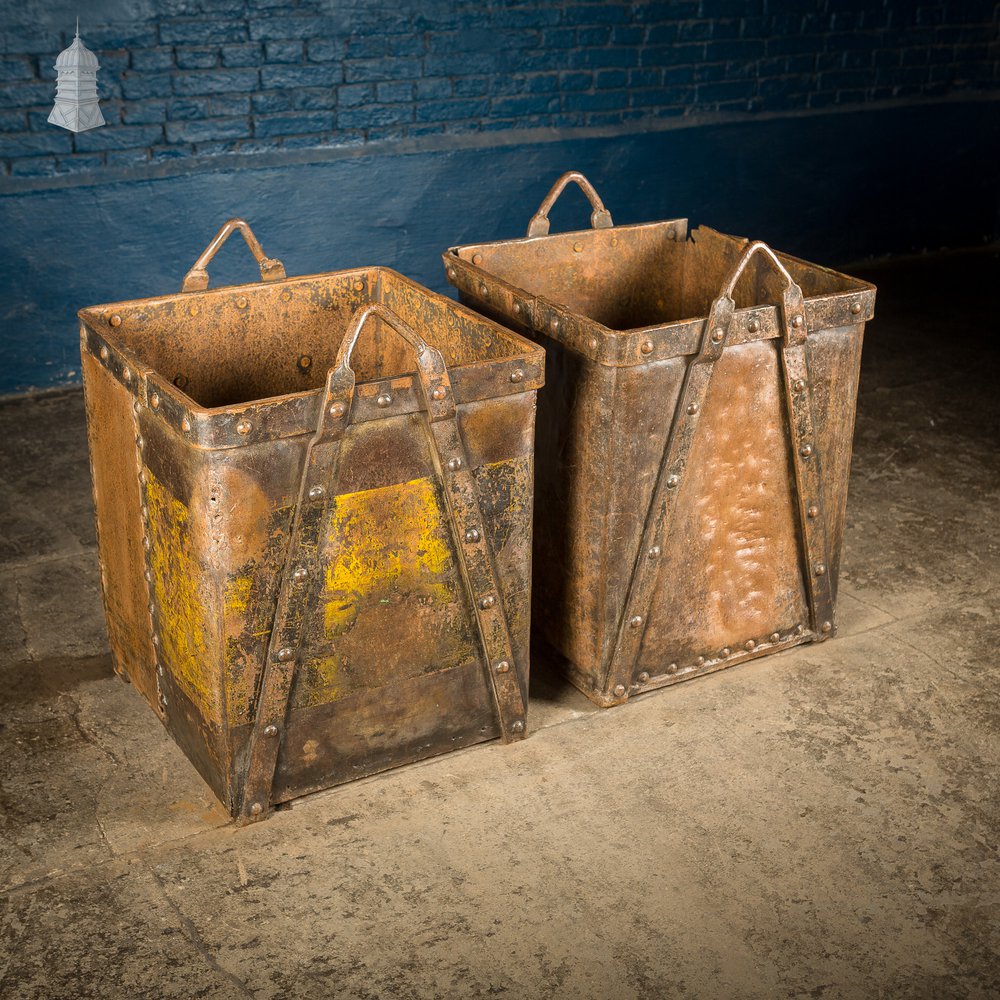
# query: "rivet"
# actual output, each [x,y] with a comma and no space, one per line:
[477,258]
[243,427]
[517,727]
[826,627]
[653,551]
[775,637]
[193,309]
[451,273]
[300,575]
[185,424]
[140,442]
[799,629]
[316,492]
[439,393]
[270,731]
[673,481]
[700,661]
[799,385]
[472,535]
[614,241]
[749,645]
[517,307]
[152,610]
[127,374]
[643,678]
[554,324]
[813,511]
[454,464]
[855,308]
[718,335]
[619,690]
[147,576]
[693,409]
[671,233]
[502,667]
[146,544]
[517,375]
[105,354]
[483,290]
[726,651]
[635,621]
[577,247]
[163,703]
[593,343]
[797,322]
[754,326]
[305,362]
[286,296]
[359,285]
[384,400]
[256,809]
[145,512]
[156,640]
[115,320]
[672,667]
[285,654]
[241,302]
[154,401]
[820,569]
[337,410]
[487,602]
[806,450]
[646,347]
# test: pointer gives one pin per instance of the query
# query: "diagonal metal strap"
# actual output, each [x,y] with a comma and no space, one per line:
[670,477]
[302,572]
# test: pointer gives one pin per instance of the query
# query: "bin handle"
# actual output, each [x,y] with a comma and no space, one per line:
[723,308]
[600,218]
[196,280]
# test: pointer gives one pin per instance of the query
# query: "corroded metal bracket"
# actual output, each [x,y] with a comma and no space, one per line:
[600,217]
[301,574]
[690,403]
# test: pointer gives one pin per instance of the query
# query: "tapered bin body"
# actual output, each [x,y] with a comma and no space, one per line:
[694,441]
[314,502]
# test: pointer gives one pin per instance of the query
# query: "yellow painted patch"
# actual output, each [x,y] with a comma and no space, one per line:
[181,614]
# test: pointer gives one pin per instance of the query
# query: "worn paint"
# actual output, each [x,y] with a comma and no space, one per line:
[181,613]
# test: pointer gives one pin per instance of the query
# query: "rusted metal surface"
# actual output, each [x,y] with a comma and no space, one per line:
[694,441]
[314,502]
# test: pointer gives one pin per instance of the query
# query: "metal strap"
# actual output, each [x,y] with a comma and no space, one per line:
[302,572]
[670,477]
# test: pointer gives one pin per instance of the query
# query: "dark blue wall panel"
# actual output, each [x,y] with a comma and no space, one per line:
[829,187]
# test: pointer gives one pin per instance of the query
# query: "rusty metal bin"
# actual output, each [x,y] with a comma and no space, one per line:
[314,502]
[694,441]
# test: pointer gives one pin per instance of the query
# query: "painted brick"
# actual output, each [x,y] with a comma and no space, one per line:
[354,95]
[229,106]
[524,104]
[293,124]
[197,58]
[12,121]
[433,88]
[25,95]
[405,45]
[365,70]
[606,100]
[216,81]
[34,166]
[434,111]
[375,115]
[269,28]
[35,143]
[238,56]
[324,49]
[144,60]
[300,76]
[208,129]
[121,137]
[198,32]
[144,113]
[468,86]
[365,48]
[283,51]
[576,81]
[187,108]
[139,86]
[394,92]
[16,68]
[80,164]
[125,157]
[314,100]
[271,102]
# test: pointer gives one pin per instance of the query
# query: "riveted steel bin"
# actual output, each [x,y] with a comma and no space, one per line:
[314,503]
[694,440]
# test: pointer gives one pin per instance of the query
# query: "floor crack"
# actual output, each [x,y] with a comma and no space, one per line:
[196,939]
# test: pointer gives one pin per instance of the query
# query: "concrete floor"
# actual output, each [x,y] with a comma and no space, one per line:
[818,823]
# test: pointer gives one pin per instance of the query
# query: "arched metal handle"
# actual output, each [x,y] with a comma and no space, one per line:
[720,316]
[600,218]
[196,280]
[392,320]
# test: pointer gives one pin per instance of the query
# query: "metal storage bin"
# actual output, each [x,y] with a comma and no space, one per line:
[314,501]
[694,440]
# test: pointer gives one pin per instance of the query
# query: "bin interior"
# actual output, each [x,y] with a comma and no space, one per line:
[246,343]
[646,275]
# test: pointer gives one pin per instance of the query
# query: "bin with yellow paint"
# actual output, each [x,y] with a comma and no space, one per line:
[314,504]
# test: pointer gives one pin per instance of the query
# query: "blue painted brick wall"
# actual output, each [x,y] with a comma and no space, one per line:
[201,77]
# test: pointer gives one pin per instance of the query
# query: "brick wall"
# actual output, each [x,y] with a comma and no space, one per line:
[208,77]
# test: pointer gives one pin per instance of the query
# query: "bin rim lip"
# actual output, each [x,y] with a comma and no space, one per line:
[146,380]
